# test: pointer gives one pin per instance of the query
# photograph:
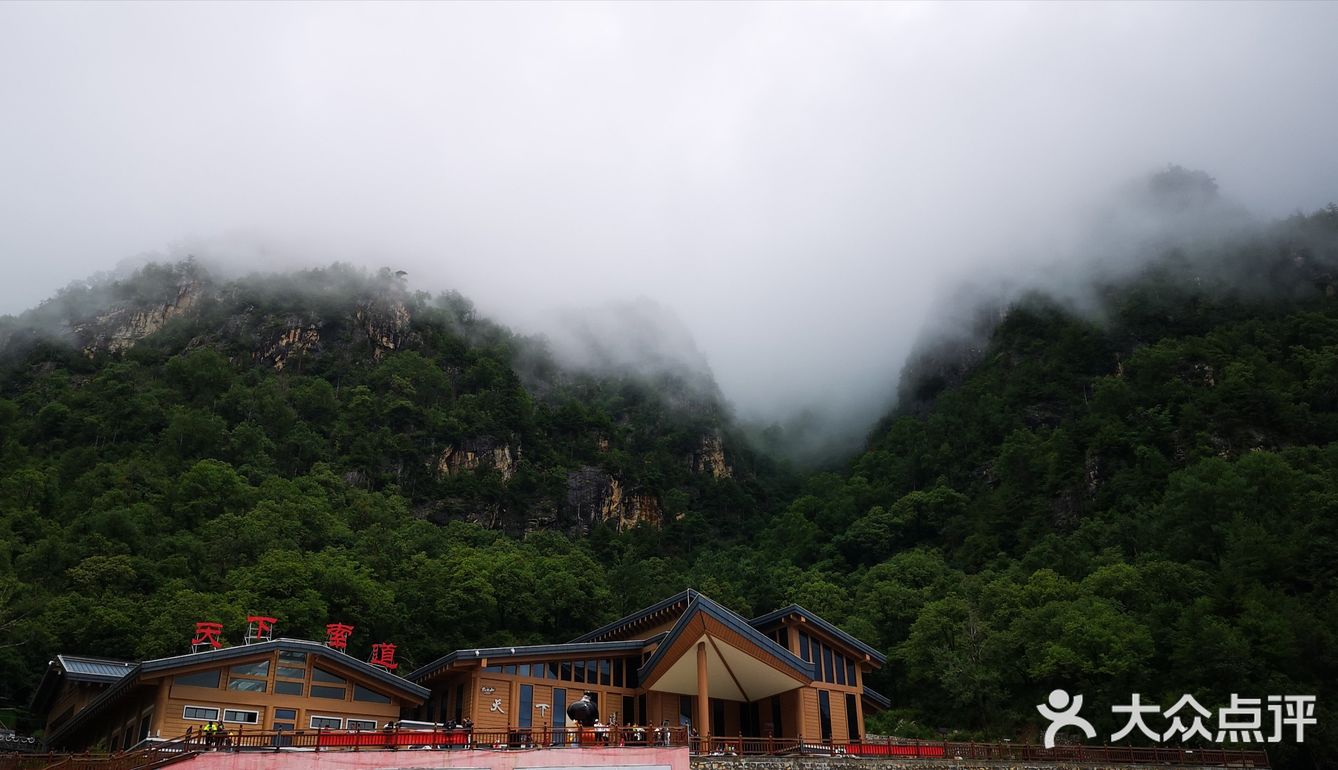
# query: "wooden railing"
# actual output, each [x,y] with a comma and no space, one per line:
[146,756]
[158,754]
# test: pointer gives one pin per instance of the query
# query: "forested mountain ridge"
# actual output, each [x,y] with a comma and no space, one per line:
[1135,495]
[464,418]
[328,445]
[1132,492]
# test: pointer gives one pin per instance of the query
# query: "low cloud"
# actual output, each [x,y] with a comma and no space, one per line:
[800,186]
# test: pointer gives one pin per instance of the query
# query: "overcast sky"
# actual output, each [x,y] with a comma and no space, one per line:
[797,183]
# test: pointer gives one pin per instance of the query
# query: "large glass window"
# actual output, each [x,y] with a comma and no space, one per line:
[459,702]
[604,670]
[840,669]
[717,717]
[578,671]
[803,647]
[618,666]
[777,724]
[829,674]
[328,723]
[321,675]
[825,713]
[851,679]
[287,672]
[525,711]
[288,656]
[333,693]
[852,718]
[288,688]
[247,685]
[288,714]
[259,668]
[245,717]
[566,671]
[370,696]
[199,678]
[559,711]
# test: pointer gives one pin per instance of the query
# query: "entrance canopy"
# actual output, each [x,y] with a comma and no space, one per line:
[709,648]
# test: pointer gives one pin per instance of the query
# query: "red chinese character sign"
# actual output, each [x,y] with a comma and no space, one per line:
[383,656]
[207,636]
[336,636]
[259,628]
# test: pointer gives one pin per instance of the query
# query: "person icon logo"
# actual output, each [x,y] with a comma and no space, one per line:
[1062,711]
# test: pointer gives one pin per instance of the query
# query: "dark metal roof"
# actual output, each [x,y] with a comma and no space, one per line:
[816,620]
[79,668]
[638,616]
[76,668]
[630,645]
[225,654]
[878,698]
[735,623]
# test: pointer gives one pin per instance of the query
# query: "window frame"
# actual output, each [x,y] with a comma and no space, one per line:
[255,714]
[311,720]
[187,706]
[349,724]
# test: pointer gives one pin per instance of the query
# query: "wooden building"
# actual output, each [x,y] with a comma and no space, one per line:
[288,684]
[686,661]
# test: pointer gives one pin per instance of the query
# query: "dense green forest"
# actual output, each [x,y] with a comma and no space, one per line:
[1137,495]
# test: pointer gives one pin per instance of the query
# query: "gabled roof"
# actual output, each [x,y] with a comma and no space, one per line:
[491,653]
[836,633]
[682,597]
[877,698]
[702,605]
[77,668]
[224,654]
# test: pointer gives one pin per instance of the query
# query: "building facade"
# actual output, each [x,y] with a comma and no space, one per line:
[686,660]
[288,684]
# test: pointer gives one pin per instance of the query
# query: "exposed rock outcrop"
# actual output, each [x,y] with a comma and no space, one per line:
[481,452]
[709,457]
[119,328]
[296,341]
[594,496]
[386,321]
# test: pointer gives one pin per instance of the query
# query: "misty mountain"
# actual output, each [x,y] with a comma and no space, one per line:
[1123,485]
[1133,493]
[273,374]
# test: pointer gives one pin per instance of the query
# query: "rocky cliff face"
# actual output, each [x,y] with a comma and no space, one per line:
[386,322]
[594,496]
[119,328]
[297,340]
[483,452]
[709,458]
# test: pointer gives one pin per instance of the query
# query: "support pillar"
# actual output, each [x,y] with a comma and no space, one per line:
[703,693]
